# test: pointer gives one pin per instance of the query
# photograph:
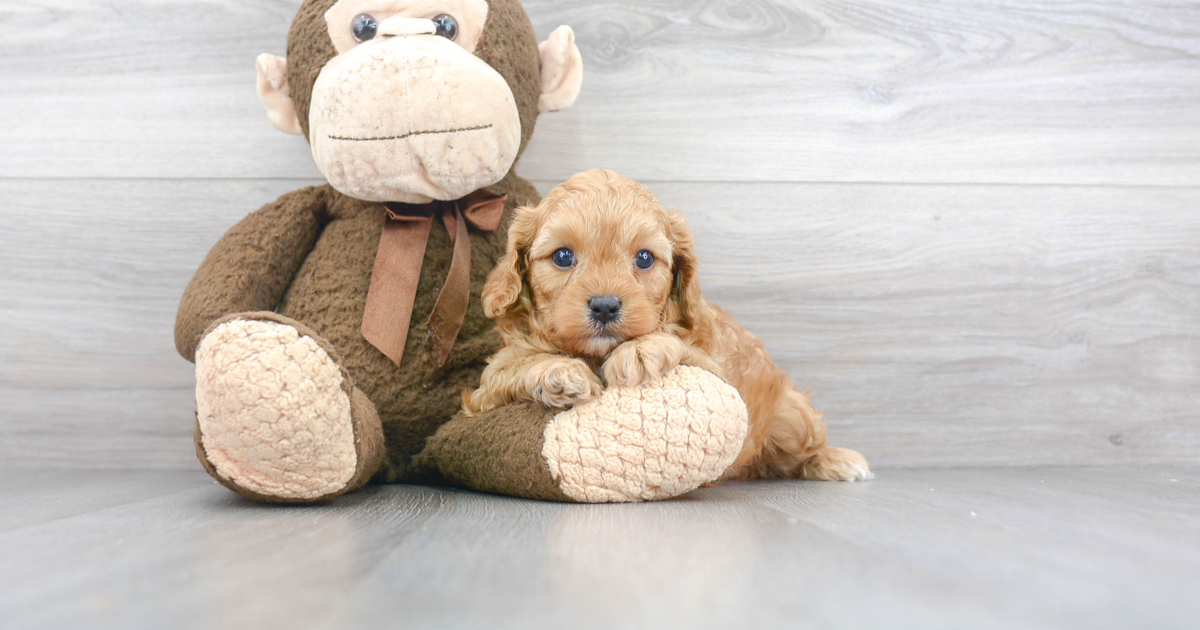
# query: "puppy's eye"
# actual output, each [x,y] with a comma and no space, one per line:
[643,260]
[364,27]
[446,26]
[563,258]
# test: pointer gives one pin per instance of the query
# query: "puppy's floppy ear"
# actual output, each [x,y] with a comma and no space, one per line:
[506,282]
[685,285]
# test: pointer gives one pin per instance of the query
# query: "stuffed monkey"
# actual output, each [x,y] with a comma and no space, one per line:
[335,329]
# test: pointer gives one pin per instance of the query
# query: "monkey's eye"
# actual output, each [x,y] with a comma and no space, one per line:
[643,260]
[446,26]
[563,258]
[364,27]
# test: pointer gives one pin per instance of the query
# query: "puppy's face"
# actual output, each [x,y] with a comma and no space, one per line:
[591,266]
[600,273]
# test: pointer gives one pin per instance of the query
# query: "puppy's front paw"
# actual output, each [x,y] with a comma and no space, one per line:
[644,359]
[564,384]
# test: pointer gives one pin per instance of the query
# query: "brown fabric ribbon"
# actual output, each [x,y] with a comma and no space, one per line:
[398,269]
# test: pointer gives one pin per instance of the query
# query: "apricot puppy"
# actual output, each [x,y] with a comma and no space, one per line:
[599,279]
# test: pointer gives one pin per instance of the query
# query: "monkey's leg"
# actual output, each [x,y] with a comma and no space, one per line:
[631,444]
[278,419]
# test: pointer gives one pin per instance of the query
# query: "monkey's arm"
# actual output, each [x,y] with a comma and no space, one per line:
[251,267]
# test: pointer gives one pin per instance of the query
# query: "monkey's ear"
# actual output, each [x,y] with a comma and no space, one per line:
[562,70]
[273,90]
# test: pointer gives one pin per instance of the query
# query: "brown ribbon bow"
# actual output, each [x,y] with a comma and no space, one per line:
[398,268]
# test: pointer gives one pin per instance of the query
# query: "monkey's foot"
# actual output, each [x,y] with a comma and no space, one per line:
[277,418]
[640,443]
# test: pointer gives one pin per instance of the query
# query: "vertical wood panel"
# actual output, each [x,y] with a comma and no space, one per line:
[978,91]
[935,325]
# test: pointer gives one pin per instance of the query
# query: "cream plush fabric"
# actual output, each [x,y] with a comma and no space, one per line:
[381,140]
[274,411]
[647,443]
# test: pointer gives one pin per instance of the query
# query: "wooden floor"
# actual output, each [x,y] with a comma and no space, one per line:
[934,548]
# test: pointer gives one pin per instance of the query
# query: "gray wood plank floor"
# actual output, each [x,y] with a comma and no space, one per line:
[950,548]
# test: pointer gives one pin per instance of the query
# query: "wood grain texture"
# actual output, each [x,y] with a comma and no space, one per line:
[964,325]
[93,275]
[983,91]
[1052,548]
[30,497]
[935,325]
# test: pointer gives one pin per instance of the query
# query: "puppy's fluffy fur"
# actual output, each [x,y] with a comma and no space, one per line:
[555,347]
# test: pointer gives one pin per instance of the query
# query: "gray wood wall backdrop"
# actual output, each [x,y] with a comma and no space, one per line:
[970,228]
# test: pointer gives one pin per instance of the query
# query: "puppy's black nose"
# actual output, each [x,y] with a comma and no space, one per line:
[605,308]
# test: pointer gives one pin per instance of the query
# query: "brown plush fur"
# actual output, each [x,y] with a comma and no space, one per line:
[499,452]
[553,347]
[309,256]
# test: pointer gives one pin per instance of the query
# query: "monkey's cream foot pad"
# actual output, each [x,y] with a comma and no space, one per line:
[647,443]
[273,411]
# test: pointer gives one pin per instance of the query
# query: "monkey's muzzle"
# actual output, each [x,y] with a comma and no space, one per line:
[412,119]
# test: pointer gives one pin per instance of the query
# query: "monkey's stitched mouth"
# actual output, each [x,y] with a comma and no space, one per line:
[411,134]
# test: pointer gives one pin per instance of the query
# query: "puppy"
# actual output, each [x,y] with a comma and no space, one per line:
[599,279]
